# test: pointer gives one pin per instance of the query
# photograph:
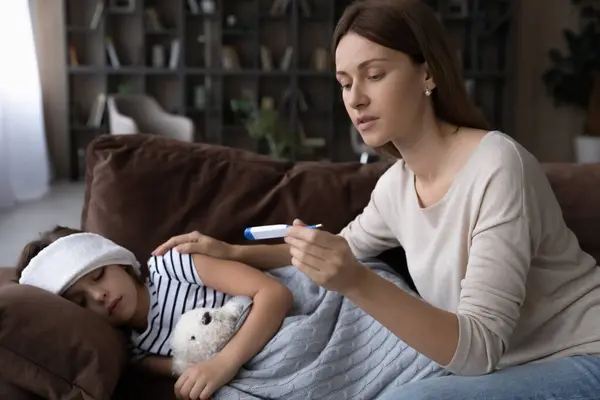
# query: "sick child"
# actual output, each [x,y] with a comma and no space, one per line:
[105,278]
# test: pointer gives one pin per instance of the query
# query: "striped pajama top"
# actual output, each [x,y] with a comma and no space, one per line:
[174,287]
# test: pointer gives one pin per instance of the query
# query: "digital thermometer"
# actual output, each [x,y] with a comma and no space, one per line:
[270,231]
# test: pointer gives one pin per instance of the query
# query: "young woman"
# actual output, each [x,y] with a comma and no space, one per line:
[105,278]
[511,303]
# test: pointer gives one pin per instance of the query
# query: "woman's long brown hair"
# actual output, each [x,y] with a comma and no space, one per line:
[411,27]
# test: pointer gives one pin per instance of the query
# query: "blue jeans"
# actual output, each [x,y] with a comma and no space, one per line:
[576,377]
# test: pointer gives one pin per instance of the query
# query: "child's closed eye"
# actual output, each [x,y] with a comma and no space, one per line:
[98,275]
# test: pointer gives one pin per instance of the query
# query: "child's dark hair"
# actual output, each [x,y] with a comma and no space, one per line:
[46,238]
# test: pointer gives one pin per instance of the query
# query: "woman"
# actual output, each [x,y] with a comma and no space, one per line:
[511,303]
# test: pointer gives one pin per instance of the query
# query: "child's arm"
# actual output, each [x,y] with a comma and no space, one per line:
[158,365]
[271,302]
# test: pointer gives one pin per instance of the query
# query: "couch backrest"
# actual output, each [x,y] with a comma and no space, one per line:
[142,189]
[577,188]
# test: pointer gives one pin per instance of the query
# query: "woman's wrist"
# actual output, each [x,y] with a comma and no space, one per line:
[234,252]
[360,280]
[260,256]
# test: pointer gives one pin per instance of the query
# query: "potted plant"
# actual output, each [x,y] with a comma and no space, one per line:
[265,123]
[573,78]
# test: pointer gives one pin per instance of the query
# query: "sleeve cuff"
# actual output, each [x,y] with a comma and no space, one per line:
[459,359]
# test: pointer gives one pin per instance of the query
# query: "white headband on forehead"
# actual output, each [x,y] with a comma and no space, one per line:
[67,259]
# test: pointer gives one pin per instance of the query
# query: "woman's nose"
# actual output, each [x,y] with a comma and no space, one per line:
[357,98]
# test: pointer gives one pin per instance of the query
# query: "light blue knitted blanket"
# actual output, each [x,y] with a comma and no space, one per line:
[328,348]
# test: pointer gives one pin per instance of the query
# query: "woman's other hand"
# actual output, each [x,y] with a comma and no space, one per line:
[196,242]
[324,257]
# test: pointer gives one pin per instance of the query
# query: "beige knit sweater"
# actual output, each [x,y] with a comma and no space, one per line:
[495,250]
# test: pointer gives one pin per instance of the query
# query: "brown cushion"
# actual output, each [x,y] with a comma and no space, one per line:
[577,188]
[11,392]
[54,348]
[143,189]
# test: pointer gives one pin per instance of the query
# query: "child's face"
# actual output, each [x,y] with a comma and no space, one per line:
[109,291]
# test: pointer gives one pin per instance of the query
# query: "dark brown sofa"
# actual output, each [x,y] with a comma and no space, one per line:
[142,189]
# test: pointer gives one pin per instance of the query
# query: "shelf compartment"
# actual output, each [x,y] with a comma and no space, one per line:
[83,92]
[275,41]
[126,33]
[314,45]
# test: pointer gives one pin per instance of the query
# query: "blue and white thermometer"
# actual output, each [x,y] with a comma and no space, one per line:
[270,231]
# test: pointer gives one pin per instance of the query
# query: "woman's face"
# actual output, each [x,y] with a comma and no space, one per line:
[109,291]
[382,89]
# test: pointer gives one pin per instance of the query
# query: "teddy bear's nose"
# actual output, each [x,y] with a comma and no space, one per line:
[206,318]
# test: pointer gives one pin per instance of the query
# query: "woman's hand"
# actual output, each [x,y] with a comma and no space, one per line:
[201,380]
[195,242]
[324,257]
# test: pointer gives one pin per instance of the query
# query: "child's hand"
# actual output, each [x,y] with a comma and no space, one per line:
[201,380]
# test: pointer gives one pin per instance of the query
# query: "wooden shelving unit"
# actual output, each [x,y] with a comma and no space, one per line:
[307,94]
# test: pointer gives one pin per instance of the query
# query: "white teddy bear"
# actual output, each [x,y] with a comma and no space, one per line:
[202,332]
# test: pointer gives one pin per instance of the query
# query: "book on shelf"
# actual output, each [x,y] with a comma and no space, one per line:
[230,58]
[305,8]
[73,59]
[265,58]
[193,6]
[158,56]
[153,20]
[320,59]
[174,55]
[112,52]
[97,111]
[286,60]
[302,103]
[97,17]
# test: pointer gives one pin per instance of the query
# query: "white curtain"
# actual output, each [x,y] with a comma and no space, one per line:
[24,161]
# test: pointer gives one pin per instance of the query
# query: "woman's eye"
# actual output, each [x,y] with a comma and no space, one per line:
[346,86]
[376,77]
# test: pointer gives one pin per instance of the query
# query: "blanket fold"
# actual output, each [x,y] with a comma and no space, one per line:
[327,348]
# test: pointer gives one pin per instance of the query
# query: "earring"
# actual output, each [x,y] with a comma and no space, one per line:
[427,92]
